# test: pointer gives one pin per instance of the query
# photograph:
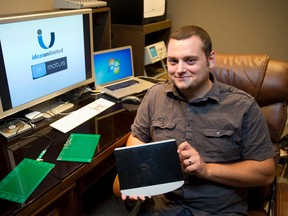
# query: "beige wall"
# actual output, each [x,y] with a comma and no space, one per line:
[236,26]
[19,6]
[243,26]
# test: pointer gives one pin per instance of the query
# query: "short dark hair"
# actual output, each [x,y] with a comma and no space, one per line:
[188,31]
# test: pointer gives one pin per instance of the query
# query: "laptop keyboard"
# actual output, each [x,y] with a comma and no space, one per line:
[122,85]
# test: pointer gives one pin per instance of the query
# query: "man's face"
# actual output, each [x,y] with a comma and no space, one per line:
[188,67]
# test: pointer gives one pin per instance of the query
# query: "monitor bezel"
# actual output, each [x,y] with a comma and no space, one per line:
[88,59]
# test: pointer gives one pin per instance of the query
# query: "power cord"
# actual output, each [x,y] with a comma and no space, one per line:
[42,136]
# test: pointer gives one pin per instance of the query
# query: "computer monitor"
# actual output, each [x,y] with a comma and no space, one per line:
[43,55]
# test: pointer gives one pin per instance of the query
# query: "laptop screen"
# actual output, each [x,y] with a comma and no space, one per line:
[113,65]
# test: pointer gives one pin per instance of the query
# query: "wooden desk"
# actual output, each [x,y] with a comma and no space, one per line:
[60,193]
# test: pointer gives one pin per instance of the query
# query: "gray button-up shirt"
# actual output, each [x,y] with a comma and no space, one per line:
[224,126]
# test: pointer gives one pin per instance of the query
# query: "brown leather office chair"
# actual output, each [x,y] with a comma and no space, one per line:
[267,81]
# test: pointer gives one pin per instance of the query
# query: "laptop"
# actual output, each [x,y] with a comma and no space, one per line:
[114,73]
[149,169]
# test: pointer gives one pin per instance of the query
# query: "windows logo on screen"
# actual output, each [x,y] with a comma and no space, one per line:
[113,66]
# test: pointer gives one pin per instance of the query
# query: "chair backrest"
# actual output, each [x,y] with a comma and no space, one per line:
[267,81]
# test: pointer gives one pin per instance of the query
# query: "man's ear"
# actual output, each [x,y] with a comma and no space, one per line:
[212,59]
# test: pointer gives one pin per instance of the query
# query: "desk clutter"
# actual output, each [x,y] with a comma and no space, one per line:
[20,183]
[13,128]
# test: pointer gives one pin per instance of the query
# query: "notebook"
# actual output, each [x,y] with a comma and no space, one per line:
[149,169]
[114,73]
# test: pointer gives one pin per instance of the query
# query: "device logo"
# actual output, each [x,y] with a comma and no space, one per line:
[113,66]
[40,39]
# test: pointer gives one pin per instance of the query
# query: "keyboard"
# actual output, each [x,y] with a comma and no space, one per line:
[77,4]
[81,115]
[122,85]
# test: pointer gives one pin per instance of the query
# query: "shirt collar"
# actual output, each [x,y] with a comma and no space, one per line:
[213,94]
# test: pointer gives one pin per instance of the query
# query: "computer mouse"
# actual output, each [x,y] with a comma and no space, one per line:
[131,100]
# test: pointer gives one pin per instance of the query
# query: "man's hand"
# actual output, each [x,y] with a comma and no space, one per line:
[247,173]
[142,198]
[191,160]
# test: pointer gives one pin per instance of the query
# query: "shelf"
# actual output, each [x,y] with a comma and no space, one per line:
[101,28]
[139,36]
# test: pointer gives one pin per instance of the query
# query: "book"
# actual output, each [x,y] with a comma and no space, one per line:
[79,148]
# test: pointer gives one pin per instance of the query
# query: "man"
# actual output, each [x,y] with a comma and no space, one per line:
[223,141]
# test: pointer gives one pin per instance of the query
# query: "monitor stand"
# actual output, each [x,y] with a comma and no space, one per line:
[52,108]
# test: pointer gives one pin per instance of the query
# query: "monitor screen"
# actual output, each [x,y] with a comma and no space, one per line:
[43,55]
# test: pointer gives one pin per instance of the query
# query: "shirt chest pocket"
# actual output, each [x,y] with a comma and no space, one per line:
[217,133]
[162,129]
[219,145]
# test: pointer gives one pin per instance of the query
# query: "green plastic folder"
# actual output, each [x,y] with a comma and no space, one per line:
[19,184]
[79,148]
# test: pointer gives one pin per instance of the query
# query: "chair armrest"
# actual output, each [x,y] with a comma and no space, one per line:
[281,197]
[116,187]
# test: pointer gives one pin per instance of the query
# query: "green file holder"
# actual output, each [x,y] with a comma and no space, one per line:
[20,183]
[79,148]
